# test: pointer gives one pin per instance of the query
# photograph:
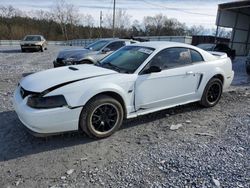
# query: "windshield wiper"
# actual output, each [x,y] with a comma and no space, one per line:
[127,72]
[99,64]
[112,66]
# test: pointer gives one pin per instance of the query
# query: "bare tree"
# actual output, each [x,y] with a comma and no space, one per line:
[46,17]
[60,16]
[122,21]
[136,29]
[42,15]
[160,25]
[6,15]
[154,24]
[9,11]
[73,18]
[174,27]
[66,15]
[89,23]
[197,30]
[222,32]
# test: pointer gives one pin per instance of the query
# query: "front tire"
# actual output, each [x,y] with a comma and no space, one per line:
[101,117]
[212,93]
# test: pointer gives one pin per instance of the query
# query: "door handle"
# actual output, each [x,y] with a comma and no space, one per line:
[189,73]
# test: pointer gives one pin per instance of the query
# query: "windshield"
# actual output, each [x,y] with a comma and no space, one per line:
[127,59]
[206,46]
[96,46]
[32,38]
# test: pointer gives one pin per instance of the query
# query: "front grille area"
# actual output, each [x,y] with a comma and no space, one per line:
[24,93]
[29,45]
[60,60]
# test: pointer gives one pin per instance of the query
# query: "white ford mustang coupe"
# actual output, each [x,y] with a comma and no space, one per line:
[137,79]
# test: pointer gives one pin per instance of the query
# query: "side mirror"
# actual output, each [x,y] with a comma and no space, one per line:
[105,50]
[152,69]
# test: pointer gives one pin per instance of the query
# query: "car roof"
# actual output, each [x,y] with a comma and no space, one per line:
[33,36]
[163,44]
[160,45]
[206,44]
[116,39]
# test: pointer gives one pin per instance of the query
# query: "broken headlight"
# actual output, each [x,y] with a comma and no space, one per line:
[46,102]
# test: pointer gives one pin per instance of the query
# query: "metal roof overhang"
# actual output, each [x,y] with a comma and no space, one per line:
[236,15]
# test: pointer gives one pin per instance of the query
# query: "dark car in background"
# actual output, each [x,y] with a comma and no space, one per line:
[90,54]
[33,43]
[218,48]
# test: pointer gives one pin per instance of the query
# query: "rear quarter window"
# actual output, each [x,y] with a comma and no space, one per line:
[196,56]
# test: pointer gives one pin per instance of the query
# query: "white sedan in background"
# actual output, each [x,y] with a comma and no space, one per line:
[136,80]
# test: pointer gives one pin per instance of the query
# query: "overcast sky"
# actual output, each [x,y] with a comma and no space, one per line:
[191,12]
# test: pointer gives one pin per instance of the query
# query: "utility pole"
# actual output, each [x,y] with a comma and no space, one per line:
[100,24]
[114,20]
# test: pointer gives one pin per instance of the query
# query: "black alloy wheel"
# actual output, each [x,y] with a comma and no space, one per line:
[212,93]
[104,117]
[101,116]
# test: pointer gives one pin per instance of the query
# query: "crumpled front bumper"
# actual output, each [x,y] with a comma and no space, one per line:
[45,121]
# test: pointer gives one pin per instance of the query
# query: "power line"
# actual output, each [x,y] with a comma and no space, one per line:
[110,6]
[176,9]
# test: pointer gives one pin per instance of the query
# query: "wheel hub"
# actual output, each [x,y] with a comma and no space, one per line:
[104,117]
[213,93]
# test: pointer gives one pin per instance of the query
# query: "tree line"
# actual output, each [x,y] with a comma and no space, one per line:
[64,22]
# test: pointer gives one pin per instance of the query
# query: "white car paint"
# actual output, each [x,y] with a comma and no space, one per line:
[141,94]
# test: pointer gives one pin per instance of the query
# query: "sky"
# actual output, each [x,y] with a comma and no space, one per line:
[190,12]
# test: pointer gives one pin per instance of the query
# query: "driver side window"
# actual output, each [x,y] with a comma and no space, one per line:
[116,45]
[171,57]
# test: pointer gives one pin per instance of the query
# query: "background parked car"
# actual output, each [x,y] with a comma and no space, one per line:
[218,48]
[33,42]
[248,64]
[90,54]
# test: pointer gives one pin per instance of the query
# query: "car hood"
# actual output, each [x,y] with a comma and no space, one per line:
[75,53]
[44,80]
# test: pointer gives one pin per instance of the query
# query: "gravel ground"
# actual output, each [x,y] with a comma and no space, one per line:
[187,146]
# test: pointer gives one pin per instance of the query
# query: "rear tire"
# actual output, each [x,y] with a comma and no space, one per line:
[101,117]
[212,93]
